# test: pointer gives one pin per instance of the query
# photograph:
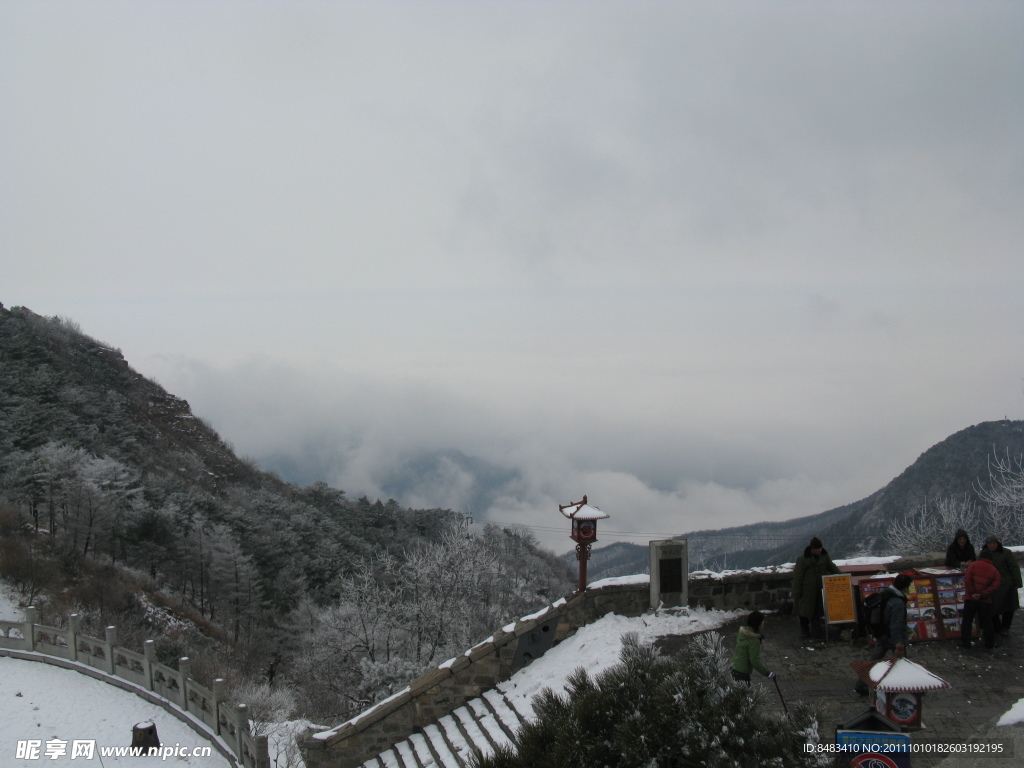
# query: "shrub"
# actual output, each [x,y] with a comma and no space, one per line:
[651,710]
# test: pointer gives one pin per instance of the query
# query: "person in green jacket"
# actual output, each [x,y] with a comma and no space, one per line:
[747,656]
[1006,600]
[807,600]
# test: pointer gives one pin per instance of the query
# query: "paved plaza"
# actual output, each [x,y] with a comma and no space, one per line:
[984,685]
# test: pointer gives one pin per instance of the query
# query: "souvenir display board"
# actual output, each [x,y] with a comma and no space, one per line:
[951,594]
[935,603]
[922,598]
[870,585]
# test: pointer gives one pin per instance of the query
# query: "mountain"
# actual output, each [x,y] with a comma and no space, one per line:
[92,447]
[120,504]
[60,385]
[954,468]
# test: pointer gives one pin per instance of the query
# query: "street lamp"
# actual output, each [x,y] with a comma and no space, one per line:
[584,531]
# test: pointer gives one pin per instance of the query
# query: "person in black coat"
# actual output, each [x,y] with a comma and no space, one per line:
[807,573]
[960,552]
[895,634]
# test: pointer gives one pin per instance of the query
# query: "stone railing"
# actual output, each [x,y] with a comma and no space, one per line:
[203,709]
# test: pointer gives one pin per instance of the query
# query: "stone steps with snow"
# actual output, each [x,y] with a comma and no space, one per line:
[479,726]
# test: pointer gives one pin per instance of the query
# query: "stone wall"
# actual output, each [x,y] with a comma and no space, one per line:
[764,591]
[771,588]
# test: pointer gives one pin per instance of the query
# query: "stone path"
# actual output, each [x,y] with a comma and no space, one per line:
[480,726]
[984,685]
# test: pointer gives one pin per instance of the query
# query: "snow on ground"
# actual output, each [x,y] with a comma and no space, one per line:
[1014,715]
[84,696]
[596,647]
[43,702]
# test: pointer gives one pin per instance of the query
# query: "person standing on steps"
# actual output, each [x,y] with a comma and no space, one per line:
[980,582]
[747,656]
[960,552]
[894,636]
[1006,600]
[807,600]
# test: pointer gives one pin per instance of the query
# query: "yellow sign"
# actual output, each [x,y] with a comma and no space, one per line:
[839,607]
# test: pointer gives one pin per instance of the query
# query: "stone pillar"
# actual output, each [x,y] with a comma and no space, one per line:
[111,641]
[149,654]
[218,697]
[74,622]
[28,627]
[669,582]
[241,730]
[184,673]
[262,752]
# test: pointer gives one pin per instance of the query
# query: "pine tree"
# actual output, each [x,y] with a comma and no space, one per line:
[652,710]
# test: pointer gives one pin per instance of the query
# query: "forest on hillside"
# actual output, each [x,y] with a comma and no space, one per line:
[118,504]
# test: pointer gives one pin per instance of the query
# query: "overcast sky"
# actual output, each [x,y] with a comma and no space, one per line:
[708,263]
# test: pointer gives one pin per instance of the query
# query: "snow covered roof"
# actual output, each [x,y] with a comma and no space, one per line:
[904,675]
[582,512]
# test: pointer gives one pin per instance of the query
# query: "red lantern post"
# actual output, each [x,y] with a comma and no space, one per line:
[584,519]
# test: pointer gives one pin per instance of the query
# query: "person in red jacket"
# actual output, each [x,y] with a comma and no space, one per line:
[981,581]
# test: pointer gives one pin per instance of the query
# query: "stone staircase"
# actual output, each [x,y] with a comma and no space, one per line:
[478,726]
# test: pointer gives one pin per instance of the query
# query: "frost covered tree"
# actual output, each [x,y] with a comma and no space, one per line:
[932,525]
[1005,496]
[399,613]
[652,710]
[267,703]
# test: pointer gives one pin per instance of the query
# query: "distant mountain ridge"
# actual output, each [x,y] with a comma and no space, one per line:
[954,467]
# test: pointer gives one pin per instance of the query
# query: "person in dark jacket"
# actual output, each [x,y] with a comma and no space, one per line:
[960,552]
[981,582]
[747,656]
[1006,600]
[807,600]
[895,636]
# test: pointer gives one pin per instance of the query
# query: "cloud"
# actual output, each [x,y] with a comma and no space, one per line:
[706,262]
[407,440]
